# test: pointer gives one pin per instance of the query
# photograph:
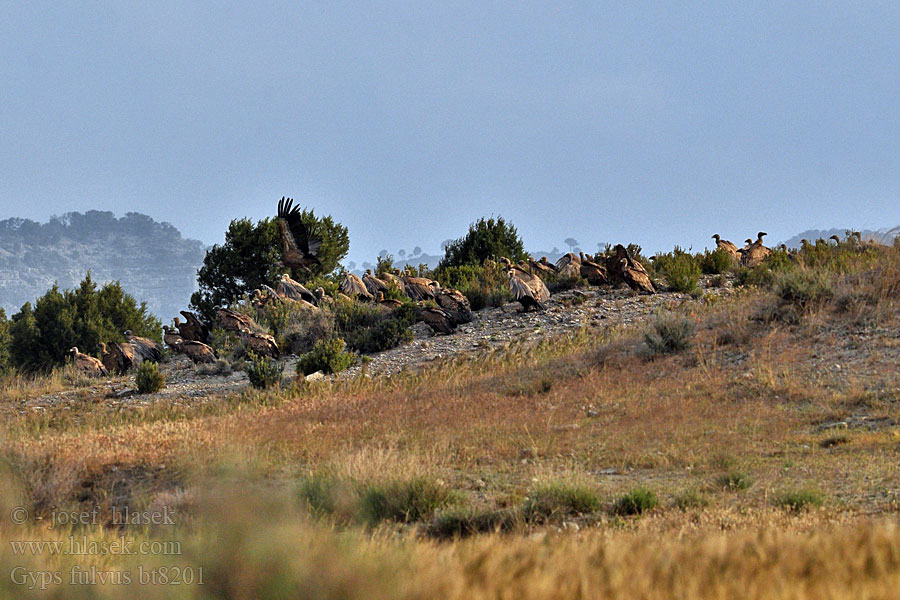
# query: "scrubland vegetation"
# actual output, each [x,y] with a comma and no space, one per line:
[733,448]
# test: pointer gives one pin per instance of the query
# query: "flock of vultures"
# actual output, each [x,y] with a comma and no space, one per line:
[441,308]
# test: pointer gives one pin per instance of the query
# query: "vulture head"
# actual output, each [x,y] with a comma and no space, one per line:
[836,239]
[74,350]
[716,237]
[760,235]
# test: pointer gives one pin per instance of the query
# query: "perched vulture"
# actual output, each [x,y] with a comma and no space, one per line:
[374,284]
[542,266]
[420,288]
[725,245]
[261,344]
[438,320]
[299,247]
[394,279]
[523,293]
[171,337]
[388,302]
[455,304]
[593,272]
[117,358]
[146,349]
[322,297]
[294,290]
[837,240]
[569,265]
[355,288]
[197,351]
[756,252]
[620,267]
[230,320]
[194,330]
[88,364]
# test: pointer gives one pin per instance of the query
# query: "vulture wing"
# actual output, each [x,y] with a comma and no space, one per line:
[296,233]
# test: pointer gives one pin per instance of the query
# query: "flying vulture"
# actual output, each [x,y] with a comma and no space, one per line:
[299,246]
[87,364]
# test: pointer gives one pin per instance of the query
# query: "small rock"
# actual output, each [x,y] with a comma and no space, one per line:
[315,376]
[832,425]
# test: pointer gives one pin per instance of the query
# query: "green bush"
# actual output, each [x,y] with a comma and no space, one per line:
[487,239]
[148,379]
[560,500]
[484,285]
[802,287]
[404,501]
[681,270]
[327,356]
[797,500]
[690,498]
[5,362]
[368,328]
[734,480]
[670,334]
[716,262]
[264,372]
[462,523]
[636,502]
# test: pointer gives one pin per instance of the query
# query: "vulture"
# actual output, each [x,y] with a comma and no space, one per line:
[438,320]
[725,245]
[322,297]
[264,296]
[455,304]
[294,290]
[420,288]
[198,352]
[299,247]
[837,240]
[622,268]
[394,278]
[354,287]
[261,344]
[146,349]
[193,330]
[756,252]
[569,265]
[529,290]
[117,358]
[171,337]
[230,320]
[374,284]
[542,266]
[87,364]
[388,302]
[593,272]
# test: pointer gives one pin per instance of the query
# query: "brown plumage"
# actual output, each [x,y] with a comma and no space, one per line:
[543,266]
[593,272]
[198,352]
[353,286]
[299,247]
[390,303]
[230,320]
[261,344]
[420,288]
[374,284]
[117,358]
[455,304]
[394,279]
[621,268]
[88,364]
[171,337]
[438,319]
[569,265]
[146,349]
[756,252]
[528,289]
[193,329]
[294,290]
[727,246]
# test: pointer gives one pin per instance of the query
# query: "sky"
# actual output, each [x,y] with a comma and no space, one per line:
[658,123]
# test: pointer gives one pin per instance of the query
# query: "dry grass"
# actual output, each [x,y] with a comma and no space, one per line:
[750,396]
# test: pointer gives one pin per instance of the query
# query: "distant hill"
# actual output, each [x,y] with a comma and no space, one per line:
[150,259]
[884,236]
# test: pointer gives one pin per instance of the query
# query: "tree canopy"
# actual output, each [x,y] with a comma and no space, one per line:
[487,238]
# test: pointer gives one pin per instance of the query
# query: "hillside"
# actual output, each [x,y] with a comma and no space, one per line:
[151,260]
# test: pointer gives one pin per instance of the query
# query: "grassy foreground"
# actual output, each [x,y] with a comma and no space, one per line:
[745,448]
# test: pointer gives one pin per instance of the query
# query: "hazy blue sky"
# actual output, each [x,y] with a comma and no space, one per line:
[655,122]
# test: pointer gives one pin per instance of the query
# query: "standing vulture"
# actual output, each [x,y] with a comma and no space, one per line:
[194,329]
[593,272]
[543,266]
[622,268]
[146,349]
[198,352]
[756,252]
[438,320]
[528,289]
[294,290]
[374,284]
[117,358]
[420,288]
[455,304]
[261,344]
[87,364]
[299,247]
[388,303]
[725,245]
[355,288]
[569,265]
[230,320]
[171,337]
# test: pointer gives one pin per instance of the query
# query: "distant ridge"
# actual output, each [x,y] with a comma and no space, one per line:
[883,236]
[151,260]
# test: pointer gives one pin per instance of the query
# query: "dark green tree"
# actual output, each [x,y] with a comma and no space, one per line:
[251,257]
[487,238]
[5,363]
[40,338]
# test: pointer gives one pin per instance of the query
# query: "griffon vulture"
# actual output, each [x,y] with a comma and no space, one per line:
[87,364]
[299,247]
[146,349]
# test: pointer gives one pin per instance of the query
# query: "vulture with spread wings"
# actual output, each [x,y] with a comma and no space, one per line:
[299,247]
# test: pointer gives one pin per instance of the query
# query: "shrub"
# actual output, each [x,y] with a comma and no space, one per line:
[148,379]
[368,328]
[560,500]
[463,523]
[802,287]
[734,480]
[690,498]
[487,239]
[220,367]
[264,372]
[797,500]
[636,502]
[484,285]
[681,270]
[404,501]
[716,262]
[670,334]
[327,356]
